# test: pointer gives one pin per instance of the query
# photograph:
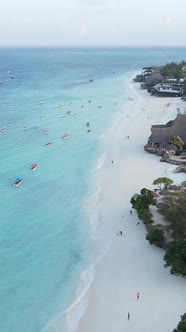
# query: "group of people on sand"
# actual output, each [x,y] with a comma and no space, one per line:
[120,233]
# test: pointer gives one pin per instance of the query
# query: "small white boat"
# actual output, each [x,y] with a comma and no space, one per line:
[25,127]
[49,143]
[47,131]
[17,182]
[33,167]
[3,129]
[65,136]
[42,117]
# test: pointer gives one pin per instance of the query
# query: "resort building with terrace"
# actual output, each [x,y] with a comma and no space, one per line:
[167,89]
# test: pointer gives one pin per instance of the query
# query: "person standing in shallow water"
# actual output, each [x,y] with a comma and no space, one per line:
[128,316]
[137,296]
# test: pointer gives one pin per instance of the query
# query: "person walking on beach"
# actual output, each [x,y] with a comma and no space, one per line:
[137,296]
[130,211]
[128,316]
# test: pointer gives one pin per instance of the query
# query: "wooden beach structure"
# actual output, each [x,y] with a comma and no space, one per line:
[163,134]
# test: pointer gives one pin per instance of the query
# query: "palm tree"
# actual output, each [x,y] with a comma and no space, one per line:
[177,141]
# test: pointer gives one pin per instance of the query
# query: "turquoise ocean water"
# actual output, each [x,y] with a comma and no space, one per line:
[48,227]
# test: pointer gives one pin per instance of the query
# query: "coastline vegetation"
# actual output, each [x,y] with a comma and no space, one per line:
[171,73]
[171,234]
[163,181]
[174,70]
[141,202]
[181,327]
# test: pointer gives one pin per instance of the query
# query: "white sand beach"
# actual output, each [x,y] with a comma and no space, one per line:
[132,265]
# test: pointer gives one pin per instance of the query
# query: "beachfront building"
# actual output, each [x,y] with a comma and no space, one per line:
[167,89]
[149,76]
[162,135]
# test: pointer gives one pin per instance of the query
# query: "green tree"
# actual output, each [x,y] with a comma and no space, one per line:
[141,204]
[175,215]
[145,215]
[147,196]
[175,257]
[182,325]
[173,70]
[156,235]
[142,201]
[163,181]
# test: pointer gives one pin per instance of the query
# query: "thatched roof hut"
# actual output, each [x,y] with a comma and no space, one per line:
[162,134]
[153,79]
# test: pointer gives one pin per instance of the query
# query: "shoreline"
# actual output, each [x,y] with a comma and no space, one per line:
[131,265]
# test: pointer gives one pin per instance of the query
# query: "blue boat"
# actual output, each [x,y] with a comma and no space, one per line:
[17,182]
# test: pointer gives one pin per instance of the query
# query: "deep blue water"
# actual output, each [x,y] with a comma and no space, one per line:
[45,231]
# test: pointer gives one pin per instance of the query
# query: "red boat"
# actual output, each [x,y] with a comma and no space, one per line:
[65,136]
[33,167]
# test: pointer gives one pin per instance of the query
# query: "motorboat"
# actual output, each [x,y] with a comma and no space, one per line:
[17,182]
[33,167]
[47,131]
[3,129]
[65,136]
[49,143]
